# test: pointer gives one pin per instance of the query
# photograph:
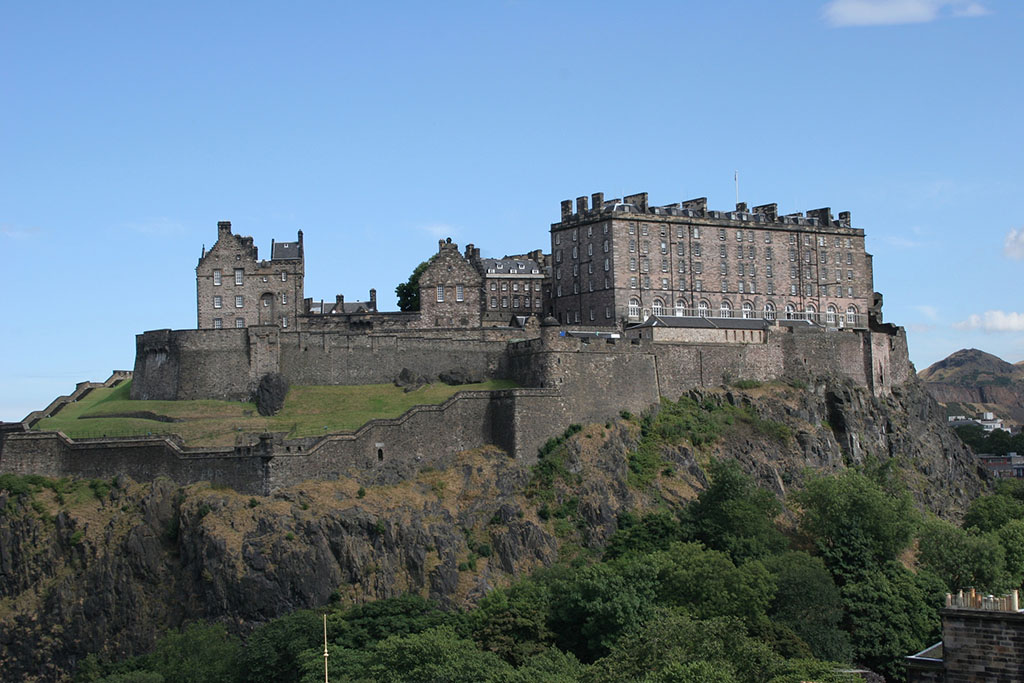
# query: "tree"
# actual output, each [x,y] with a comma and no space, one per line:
[409,291]
[989,513]
[735,515]
[854,523]
[962,559]
[808,602]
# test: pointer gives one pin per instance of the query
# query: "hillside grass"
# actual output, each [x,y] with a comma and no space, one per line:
[308,411]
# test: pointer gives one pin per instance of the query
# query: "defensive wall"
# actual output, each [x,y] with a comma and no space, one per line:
[565,376]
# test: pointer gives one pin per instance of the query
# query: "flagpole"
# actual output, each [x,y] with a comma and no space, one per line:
[325,649]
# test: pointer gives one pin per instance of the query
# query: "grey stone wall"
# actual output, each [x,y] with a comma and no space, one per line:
[979,645]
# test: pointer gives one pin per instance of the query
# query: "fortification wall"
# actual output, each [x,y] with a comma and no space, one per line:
[52,454]
[314,358]
[189,364]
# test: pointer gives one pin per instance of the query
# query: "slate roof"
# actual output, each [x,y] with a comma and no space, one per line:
[511,266]
[285,250]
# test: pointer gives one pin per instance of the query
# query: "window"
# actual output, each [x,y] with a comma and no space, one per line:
[216,278]
[664,247]
[645,265]
[504,302]
[558,238]
[725,310]
[536,303]
[721,233]
[851,315]
[575,270]
[644,229]
[790,311]
[680,307]
[590,231]
[634,307]
[664,283]
[830,315]
[607,264]
[849,258]
[558,256]
[849,275]
[771,287]
[494,302]
[664,265]
[696,232]
[632,263]
[239,301]
[645,247]
[698,285]
[721,251]
[632,228]
[702,309]
[792,254]
[679,249]
[698,267]
[792,290]
[741,287]
[659,307]
[591,312]
[767,238]
[217,302]
[849,292]
[769,311]
[768,270]
[504,285]
[724,268]
[632,283]
[739,251]
[725,287]
[218,323]
[575,234]
[284,299]
[681,266]
[607,311]
[239,322]
[647,281]
[284,276]
[575,252]
[793,272]
[751,252]
[768,253]
[748,310]
[459,293]
[632,246]
[494,286]
[590,250]
[238,276]
[696,250]
[606,246]
[515,302]
[284,321]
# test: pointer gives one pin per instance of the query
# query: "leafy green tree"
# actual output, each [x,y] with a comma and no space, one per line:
[854,523]
[674,646]
[1011,538]
[199,653]
[408,292]
[591,608]
[808,602]
[988,513]
[406,614]
[273,651]
[962,559]
[707,583]
[891,613]
[735,515]
[512,622]
[652,532]
[437,654]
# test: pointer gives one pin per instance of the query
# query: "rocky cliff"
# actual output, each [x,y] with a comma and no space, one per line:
[108,566]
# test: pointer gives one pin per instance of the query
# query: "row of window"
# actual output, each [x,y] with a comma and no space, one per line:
[459,293]
[746,311]
[517,302]
[240,277]
[218,301]
[515,286]
[218,323]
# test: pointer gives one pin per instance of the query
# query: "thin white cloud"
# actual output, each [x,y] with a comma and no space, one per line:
[889,12]
[929,312]
[993,321]
[18,233]
[1013,246]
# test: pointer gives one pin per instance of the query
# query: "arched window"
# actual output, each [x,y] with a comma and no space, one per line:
[659,307]
[810,312]
[769,311]
[680,307]
[748,310]
[851,315]
[790,311]
[702,309]
[830,314]
[634,308]
[725,310]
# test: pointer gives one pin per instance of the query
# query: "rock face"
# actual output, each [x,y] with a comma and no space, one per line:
[270,394]
[110,568]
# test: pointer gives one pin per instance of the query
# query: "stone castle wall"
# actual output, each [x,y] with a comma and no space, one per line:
[563,380]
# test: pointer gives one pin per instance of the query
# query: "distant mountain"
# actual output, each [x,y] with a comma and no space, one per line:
[970,381]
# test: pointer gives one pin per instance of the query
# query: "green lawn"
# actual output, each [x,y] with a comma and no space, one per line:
[308,411]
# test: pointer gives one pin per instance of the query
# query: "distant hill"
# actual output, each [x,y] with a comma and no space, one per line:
[970,381]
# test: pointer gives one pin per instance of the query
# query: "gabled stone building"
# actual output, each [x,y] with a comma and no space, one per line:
[450,290]
[234,288]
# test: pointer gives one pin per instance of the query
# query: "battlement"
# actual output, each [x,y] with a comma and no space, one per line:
[598,208]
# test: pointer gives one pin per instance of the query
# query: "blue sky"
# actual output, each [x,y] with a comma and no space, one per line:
[127,130]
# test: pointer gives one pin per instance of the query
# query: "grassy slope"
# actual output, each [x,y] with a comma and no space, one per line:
[308,411]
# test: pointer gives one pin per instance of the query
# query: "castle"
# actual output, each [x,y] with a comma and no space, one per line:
[633,303]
